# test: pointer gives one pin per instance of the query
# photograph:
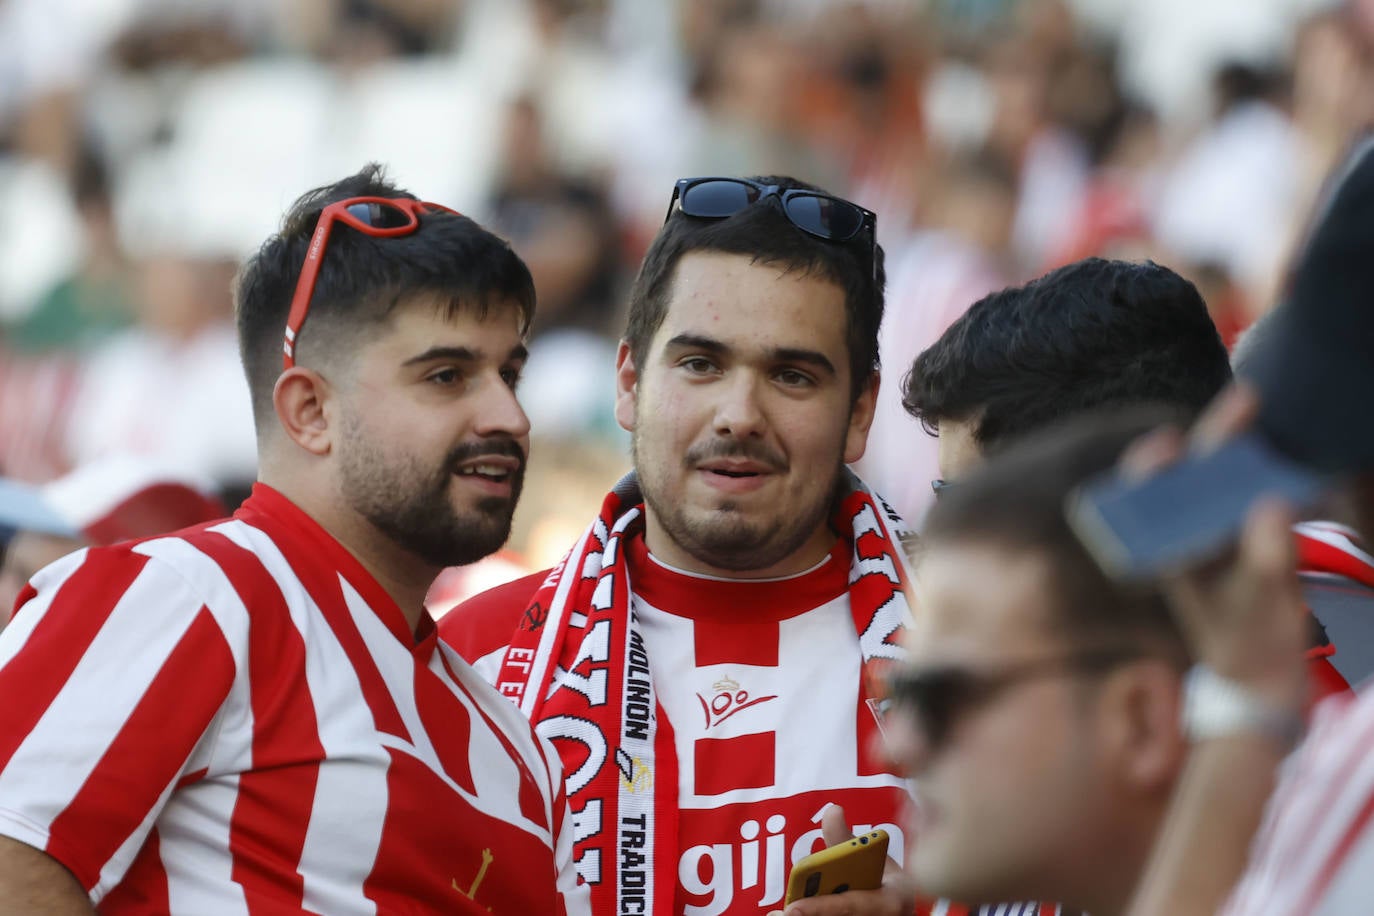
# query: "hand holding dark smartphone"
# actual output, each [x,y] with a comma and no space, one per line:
[1187,513]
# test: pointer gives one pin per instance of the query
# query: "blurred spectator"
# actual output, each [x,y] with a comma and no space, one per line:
[1232,197]
[564,229]
[117,499]
[171,388]
[90,304]
[1038,715]
[934,274]
[561,225]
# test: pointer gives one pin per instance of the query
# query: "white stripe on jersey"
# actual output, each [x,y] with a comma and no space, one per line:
[494,775]
[18,631]
[149,620]
[350,804]
[1303,866]
[1312,810]
[200,874]
[507,717]
[821,641]
[1338,536]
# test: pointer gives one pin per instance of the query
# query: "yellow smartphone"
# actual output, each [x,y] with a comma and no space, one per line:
[854,865]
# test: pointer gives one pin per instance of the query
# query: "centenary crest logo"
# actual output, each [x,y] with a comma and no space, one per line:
[728,699]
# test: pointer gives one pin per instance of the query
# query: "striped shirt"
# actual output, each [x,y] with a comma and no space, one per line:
[1315,851]
[237,718]
[759,681]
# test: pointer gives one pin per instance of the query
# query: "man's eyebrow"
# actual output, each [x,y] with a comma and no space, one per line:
[696,342]
[778,354]
[518,353]
[801,355]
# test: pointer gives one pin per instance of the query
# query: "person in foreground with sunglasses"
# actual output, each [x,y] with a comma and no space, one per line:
[705,656]
[255,714]
[1038,716]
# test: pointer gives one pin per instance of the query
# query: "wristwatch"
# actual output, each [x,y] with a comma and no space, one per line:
[1217,707]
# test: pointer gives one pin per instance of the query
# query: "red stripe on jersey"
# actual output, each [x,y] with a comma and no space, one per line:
[436,703]
[1315,555]
[322,583]
[743,641]
[1337,858]
[1359,743]
[182,700]
[667,836]
[144,886]
[279,790]
[34,677]
[531,794]
[744,762]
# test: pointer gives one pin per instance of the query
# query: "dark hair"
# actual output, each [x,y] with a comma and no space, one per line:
[762,232]
[1017,501]
[1091,334]
[362,279]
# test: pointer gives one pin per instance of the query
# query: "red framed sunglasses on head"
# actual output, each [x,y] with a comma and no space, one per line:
[382,217]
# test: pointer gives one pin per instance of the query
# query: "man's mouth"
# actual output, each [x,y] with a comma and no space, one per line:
[497,470]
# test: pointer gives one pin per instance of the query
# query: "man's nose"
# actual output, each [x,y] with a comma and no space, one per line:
[501,413]
[739,412]
[903,742]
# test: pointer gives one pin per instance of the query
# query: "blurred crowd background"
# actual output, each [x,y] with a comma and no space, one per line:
[146,146]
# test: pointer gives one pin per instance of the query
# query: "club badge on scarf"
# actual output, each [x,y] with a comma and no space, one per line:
[578,668]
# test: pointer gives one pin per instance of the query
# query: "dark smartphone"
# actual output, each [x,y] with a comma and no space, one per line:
[1188,513]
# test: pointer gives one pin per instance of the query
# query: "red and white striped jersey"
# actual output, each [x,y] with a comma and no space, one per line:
[761,685]
[1315,852]
[236,719]
[760,681]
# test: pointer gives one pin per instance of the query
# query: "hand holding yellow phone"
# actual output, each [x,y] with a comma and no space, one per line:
[854,865]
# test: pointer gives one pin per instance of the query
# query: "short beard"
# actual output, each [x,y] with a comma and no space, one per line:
[724,540]
[412,506]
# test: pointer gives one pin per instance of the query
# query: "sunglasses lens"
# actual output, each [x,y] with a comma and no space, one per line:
[380,216]
[717,199]
[826,217]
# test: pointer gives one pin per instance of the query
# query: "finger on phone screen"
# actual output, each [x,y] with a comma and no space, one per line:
[1229,414]
[1151,452]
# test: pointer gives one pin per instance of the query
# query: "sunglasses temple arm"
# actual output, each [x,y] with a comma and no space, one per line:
[671,204]
[305,289]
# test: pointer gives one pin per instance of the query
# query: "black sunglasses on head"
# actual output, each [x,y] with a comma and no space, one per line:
[938,696]
[822,215]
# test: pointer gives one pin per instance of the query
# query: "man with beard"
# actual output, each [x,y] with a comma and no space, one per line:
[704,658]
[255,714]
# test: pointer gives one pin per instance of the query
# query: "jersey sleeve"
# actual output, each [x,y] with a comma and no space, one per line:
[111,674]
[481,627]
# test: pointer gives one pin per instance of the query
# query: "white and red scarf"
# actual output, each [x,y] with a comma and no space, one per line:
[578,668]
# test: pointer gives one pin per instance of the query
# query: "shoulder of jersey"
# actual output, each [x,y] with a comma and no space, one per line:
[484,623]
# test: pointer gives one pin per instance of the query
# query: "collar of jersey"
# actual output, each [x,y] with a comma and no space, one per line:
[312,544]
[687,594]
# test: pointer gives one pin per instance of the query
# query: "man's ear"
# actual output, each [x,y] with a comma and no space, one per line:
[626,387]
[861,419]
[300,398]
[1142,704]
